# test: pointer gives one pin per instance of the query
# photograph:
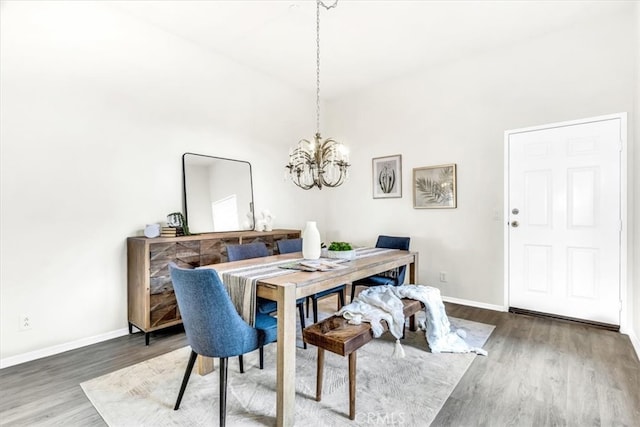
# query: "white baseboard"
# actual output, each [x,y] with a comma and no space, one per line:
[474,304]
[61,348]
[635,342]
[50,351]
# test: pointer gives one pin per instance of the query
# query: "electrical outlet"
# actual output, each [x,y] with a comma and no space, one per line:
[443,276]
[25,322]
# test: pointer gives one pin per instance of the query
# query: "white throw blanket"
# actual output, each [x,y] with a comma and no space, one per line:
[379,303]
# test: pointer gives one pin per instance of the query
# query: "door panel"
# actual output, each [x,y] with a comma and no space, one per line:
[582,197]
[538,202]
[537,274]
[564,217]
[583,269]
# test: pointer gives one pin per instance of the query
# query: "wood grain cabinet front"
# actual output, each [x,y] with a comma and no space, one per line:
[152,303]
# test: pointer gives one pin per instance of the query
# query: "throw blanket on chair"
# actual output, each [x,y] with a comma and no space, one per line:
[379,303]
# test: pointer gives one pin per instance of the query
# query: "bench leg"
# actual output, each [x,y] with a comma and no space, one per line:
[352,386]
[319,374]
[412,323]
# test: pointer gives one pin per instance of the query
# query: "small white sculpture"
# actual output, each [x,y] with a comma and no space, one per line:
[265,222]
[267,218]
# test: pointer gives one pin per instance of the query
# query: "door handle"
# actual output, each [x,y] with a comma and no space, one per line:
[514,224]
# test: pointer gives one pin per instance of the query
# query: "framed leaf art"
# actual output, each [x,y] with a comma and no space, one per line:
[434,187]
[387,177]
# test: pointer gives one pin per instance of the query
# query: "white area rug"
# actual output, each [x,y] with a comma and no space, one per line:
[407,391]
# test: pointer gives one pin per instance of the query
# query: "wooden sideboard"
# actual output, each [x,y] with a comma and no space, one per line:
[151,301]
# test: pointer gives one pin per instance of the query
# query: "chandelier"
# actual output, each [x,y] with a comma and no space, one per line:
[318,163]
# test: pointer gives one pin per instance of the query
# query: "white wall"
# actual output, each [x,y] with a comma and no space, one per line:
[97,109]
[457,113]
[634,176]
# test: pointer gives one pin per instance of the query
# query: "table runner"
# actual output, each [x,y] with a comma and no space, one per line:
[241,282]
[366,252]
[241,285]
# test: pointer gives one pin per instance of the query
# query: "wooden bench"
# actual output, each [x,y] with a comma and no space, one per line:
[338,336]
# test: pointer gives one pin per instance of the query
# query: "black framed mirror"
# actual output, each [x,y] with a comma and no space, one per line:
[218,194]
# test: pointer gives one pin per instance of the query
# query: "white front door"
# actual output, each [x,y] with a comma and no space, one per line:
[564,224]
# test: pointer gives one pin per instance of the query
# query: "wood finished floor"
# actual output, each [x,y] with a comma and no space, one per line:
[539,372]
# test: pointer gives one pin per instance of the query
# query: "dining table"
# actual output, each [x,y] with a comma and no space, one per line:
[288,287]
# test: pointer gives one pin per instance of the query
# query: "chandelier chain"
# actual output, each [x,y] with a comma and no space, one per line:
[318,2]
[335,3]
[318,163]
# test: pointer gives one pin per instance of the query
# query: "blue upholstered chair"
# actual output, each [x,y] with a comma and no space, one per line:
[247,251]
[213,326]
[257,250]
[295,245]
[393,277]
[288,246]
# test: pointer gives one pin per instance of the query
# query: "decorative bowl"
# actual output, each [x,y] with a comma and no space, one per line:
[348,255]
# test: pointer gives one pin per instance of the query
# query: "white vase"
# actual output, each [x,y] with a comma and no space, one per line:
[311,241]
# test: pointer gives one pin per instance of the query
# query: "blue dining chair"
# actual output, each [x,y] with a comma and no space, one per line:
[213,326]
[286,246]
[257,250]
[247,251]
[393,277]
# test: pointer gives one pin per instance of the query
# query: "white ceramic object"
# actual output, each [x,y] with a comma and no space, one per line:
[348,255]
[268,217]
[311,241]
[152,230]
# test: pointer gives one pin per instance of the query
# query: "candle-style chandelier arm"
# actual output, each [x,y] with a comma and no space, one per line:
[302,165]
[336,181]
[334,162]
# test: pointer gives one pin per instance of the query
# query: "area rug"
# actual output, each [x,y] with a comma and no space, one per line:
[408,391]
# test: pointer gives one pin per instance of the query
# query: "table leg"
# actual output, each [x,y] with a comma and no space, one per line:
[413,271]
[413,277]
[286,372]
[205,365]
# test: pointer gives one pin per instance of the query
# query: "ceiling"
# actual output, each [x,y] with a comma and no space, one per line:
[362,42]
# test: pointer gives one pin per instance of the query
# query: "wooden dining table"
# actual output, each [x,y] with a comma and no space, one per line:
[286,289]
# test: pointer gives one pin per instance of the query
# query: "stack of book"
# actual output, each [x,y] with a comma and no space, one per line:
[171,231]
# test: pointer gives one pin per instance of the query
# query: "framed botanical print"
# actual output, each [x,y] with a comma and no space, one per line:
[434,187]
[387,177]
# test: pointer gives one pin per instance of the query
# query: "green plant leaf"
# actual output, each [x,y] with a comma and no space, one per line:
[340,246]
